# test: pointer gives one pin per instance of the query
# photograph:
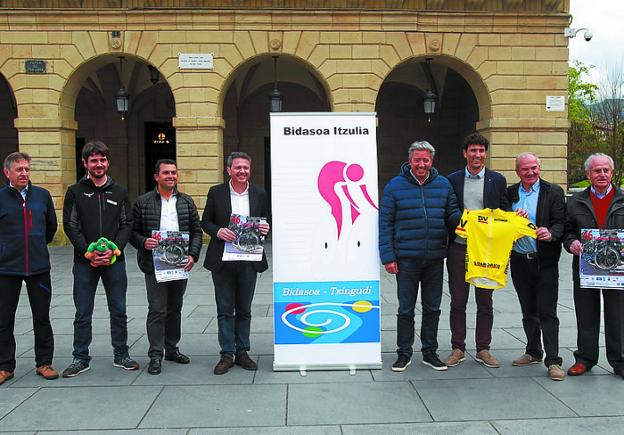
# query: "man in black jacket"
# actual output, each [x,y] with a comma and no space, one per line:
[234,281]
[97,207]
[535,263]
[476,187]
[28,223]
[164,209]
[600,206]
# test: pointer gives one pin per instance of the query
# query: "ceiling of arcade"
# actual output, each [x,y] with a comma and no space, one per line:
[476,5]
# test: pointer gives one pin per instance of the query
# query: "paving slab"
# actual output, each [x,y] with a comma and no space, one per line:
[434,428]
[388,402]
[11,398]
[601,395]
[92,408]
[118,432]
[274,430]
[218,406]
[489,399]
[585,425]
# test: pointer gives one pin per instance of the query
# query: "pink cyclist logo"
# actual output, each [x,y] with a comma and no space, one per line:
[337,175]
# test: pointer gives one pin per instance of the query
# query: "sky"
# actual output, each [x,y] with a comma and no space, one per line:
[605,19]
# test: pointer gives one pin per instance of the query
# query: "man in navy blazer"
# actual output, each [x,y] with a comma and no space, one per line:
[476,187]
[234,281]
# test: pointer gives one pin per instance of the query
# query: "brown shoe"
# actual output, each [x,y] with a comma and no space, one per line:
[5,375]
[48,372]
[455,358]
[245,361]
[487,359]
[224,365]
[526,360]
[555,372]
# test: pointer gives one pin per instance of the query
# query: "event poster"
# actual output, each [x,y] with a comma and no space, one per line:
[326,267]
[171,255]
[248,244]
[602,259]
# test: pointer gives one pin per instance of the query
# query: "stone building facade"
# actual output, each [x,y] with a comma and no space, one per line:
[491,63]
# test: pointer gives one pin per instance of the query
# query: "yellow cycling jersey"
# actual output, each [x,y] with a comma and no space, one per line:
[490,236]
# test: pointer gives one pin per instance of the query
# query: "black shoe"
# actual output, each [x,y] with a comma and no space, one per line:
[126,363]
[177,357]
[245,362]
[224,365]
[401,363]
[75,368]
[431,359]
[154,366]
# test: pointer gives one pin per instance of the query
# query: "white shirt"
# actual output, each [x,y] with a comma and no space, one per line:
[169,214]
[240,201]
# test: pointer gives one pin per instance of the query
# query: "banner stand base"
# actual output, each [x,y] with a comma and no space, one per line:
[304,368]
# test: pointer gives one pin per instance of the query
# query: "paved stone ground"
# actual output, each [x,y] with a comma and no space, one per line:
[191,400]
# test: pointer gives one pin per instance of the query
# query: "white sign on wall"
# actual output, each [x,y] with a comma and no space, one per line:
[325,241]
[195,61]
[555,103]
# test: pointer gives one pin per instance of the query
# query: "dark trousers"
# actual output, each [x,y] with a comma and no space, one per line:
[234,286]
[115,282]
[428,274]
[164,315]
[459,289]
[538,291]
[39,296]
[587,307]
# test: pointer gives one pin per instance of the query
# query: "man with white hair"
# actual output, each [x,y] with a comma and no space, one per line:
[416,213]
[535,263]
[600,206]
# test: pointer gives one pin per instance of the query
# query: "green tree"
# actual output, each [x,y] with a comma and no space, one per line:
[583,137]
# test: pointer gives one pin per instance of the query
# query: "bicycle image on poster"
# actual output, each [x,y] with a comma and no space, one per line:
[602,259]
[171,255]
[248,244]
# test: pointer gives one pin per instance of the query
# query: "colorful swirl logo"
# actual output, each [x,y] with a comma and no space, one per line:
[326,317]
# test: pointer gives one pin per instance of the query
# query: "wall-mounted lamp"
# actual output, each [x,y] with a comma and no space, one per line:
[276,100]
[154,76]
[429,100]
[121,97]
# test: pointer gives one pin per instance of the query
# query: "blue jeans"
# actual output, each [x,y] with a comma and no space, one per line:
[234,286]
[428,274]
[115,282]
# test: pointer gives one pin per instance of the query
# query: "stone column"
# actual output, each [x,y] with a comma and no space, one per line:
[52,145]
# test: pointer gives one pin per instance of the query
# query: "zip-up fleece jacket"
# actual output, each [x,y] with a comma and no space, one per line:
[26,228]
[91,212]
[414,219]
[146,218]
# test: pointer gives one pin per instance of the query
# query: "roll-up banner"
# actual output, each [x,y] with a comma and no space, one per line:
[325,255]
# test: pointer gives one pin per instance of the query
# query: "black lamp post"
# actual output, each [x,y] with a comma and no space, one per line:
[275,97]
[121,97]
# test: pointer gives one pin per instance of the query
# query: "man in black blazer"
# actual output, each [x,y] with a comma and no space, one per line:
[234,281]
[535,263]
[476,187]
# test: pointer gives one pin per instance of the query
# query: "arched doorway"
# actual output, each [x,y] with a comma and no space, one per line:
[246,107]
[402,119]
[8,113]
[144,136]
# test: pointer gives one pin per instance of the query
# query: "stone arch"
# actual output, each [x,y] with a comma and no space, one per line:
[463,102]
[87,102]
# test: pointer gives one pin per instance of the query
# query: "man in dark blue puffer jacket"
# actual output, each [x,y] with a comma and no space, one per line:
[417,210]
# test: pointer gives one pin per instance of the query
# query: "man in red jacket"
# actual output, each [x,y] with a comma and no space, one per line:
[28,223]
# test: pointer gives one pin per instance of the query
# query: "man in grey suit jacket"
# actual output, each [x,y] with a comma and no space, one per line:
[234,281]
